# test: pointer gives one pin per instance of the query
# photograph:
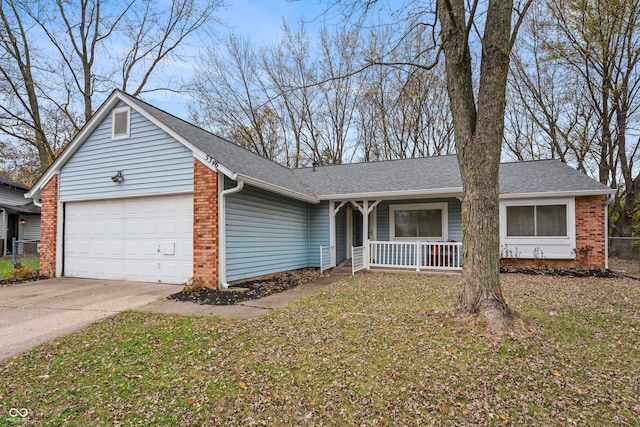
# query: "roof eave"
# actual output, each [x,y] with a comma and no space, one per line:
[440,192]
[277,189]
[457,192]
[576,193]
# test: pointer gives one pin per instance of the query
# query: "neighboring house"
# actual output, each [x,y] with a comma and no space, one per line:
[19,217]
[142,195]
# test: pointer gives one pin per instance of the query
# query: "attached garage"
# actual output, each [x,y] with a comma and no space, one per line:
[147,239]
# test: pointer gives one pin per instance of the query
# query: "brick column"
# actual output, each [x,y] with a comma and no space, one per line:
[49,228]
[205,224]
[590,231]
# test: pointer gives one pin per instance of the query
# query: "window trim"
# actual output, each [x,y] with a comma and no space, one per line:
[113,123]
[443,206]
[553,247]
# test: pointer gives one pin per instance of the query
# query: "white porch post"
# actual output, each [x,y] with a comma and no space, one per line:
[365,232]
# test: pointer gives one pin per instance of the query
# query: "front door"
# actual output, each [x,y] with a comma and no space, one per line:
[357,228]
[12,231]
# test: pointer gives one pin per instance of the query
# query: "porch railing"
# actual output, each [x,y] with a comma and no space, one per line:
[418,255]
[325,258]
[358,258]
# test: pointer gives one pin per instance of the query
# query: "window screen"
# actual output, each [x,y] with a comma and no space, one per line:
[551,220]
[520,221]
[418,223]
[542,220]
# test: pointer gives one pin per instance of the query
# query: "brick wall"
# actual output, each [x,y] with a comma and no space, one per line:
[589,234]
[590,230]
[49,228]
[205,224]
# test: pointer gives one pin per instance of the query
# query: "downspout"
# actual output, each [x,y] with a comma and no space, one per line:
[222,227]
[37,203]
[606,230]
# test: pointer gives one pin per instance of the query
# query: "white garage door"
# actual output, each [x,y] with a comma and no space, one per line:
[143,239]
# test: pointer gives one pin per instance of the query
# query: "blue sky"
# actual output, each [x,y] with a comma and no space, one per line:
[261,22]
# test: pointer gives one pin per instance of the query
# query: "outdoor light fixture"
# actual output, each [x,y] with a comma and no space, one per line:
[22,221]
[118,177]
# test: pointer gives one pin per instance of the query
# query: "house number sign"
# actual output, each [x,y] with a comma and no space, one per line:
[211,160]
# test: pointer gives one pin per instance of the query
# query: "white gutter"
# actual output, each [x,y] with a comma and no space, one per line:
[441,192]
[454,192]
[37,203]
[556,194]
[222,229]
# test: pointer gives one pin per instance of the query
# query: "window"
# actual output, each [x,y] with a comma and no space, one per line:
[425,221]
[537,221]
[120,123]
[533,228]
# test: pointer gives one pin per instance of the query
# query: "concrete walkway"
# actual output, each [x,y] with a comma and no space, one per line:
[36,312]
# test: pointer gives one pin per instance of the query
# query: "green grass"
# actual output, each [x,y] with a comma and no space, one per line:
[6,266]
[373,350]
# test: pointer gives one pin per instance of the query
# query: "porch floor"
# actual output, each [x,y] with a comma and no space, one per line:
[426,272]
[346,265]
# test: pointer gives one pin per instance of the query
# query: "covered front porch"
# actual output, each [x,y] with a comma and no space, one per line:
[417,234]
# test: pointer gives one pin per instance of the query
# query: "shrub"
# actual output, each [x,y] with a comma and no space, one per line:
[21,272]
[195,284]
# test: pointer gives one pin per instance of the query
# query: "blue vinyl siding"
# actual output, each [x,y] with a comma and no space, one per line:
[318,231]
[454,220]
[341,236]
[151,162]
[266,233]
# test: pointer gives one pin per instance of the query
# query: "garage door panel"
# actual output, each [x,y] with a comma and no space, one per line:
[124,239]
[184,248]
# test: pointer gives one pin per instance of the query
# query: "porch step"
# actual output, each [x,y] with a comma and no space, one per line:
[340,271]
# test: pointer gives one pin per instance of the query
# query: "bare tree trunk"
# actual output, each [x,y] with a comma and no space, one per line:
[478,137]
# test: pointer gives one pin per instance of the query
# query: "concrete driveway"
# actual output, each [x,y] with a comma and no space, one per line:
[33,313]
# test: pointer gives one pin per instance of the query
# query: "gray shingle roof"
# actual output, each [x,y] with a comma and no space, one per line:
[442,173]
[16,185]
[546,176]
[428,174]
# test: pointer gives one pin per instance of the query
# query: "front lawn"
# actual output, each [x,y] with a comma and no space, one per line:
[374,350]
[6,266]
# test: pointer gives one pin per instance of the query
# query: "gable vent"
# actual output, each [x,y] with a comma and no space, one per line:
[120,123]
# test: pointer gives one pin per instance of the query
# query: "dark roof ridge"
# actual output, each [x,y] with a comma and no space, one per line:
[375,161]
[513,162]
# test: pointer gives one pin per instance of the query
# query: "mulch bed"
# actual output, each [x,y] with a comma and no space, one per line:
[250,289]
[10,282]
[553,271]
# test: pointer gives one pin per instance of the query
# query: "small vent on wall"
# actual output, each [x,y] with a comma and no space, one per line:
[120,121]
